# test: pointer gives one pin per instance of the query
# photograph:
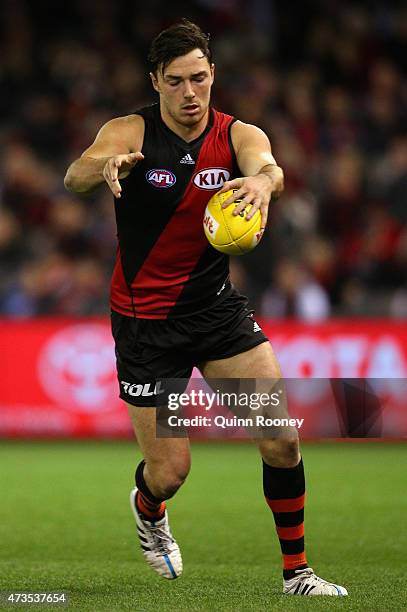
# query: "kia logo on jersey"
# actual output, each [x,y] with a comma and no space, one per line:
[211,178]
[161,178]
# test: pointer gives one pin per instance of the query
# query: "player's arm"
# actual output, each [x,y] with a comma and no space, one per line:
[114,153]
[263,180]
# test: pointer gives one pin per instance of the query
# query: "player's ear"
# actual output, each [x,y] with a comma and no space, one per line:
[154,81]
[212,72]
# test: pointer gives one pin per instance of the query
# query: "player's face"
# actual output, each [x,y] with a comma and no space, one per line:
[185,88]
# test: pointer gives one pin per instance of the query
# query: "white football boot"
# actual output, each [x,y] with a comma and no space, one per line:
[307,583]
[160,550]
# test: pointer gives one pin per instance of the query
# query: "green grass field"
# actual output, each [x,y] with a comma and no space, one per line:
[66,526]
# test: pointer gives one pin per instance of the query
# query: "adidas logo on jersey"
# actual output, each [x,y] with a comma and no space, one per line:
[256,326]
[187,159]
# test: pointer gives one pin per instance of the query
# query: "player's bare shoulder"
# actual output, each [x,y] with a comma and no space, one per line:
[134,125]
[243,134]
[127,130]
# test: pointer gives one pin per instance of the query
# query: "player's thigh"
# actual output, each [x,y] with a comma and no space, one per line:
[160,454]
[253,373]
[257,362]
[278,446]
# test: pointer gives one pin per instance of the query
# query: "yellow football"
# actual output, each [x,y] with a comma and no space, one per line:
[228,233]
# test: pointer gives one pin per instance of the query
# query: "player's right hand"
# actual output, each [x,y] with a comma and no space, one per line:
[119,167]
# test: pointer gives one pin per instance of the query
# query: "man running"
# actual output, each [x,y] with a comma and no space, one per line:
[173,306]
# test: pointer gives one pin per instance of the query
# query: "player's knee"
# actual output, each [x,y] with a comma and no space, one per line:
[169,478]
[280,452]
[168,484]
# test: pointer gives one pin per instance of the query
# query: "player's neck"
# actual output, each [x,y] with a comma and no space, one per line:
[186,132]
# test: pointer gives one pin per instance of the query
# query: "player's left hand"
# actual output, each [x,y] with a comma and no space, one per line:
[257,190]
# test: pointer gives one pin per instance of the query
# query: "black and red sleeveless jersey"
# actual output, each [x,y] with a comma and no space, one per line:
[165,267]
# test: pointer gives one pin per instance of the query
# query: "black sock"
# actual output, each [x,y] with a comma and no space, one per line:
[288,574]
[284,490]
[148,505]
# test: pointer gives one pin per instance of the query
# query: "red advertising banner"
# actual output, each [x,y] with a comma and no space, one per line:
[59,379]
[58,376]
[354,348]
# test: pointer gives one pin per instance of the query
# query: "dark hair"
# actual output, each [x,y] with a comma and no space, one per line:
[177,40]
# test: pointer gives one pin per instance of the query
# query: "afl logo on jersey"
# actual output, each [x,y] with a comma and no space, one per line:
[161,178]
[211,178]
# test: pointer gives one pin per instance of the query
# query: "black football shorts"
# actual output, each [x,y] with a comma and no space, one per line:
[151,349]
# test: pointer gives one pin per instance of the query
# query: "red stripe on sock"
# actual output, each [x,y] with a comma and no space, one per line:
[149,504]
[286,505]
[290,533]
[291,562]
[148,511]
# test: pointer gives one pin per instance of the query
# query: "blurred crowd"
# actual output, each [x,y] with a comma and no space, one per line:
[326,81]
